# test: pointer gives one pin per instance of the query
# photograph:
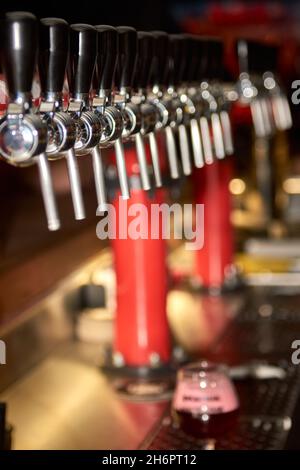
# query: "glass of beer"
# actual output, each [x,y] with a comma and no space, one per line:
[205,401]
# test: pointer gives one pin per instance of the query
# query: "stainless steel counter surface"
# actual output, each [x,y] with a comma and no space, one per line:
[67,403]
[57,396]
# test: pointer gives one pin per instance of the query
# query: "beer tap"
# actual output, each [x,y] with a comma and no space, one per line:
[80,69]
[210,117]
[259,86]
[250,87]
[214,261]
[131,111]
[187,93]
[279,102]
[160,98]
[23,135]
[109,114]
[176,55]
[53,55]
[141,84]
[216,76]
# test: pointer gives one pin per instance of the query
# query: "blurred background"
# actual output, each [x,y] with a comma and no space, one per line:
[266,185]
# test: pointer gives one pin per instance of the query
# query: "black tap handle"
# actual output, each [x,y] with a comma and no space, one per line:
[144,65]
[128,49]
[216,69]
[188,56]
[177,53]
[255,57]
[184,54]
[82,58]
[107,56]
[19,48]
[204,58]
[193,58]
[161,51]
[53,54]
[271,57]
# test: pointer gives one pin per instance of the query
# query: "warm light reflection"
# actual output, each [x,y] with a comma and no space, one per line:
[237,186]
[197,320]
[292,185]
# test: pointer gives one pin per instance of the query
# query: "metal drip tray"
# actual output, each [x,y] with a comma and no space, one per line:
[252,434]
[273,398]
[269,409]
[265,419]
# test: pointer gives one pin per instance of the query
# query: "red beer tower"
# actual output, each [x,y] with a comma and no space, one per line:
[142,338]
[213,263]
[141,328]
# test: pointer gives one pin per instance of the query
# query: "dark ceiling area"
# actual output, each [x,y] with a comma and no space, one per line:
[146,14]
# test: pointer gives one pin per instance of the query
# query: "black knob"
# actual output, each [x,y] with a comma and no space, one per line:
[270,57]
[256,57]
[161,44]
[193,58]
[128,48]
[82,58]
[144,66]
[215,58]
[53,53]
[19,49]
[204,58]
[107,55]
[177,58]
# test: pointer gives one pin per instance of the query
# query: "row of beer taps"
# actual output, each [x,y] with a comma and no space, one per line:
[259,87]
[123,86]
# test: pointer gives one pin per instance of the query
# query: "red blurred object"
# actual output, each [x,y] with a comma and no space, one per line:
[212,190]
[141,327]
[268,21]
[240,114]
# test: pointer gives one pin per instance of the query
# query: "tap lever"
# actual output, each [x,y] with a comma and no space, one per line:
[106,58]
[155,159]
[227,132]
[193,58]
[206,140]
[217,134]
[82,58]
[19,46]
[121,165]
[53,54]
[99,179]
[144,67]
[75,184]
[48,192]
[160,68]
[127,38]
[175,59]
